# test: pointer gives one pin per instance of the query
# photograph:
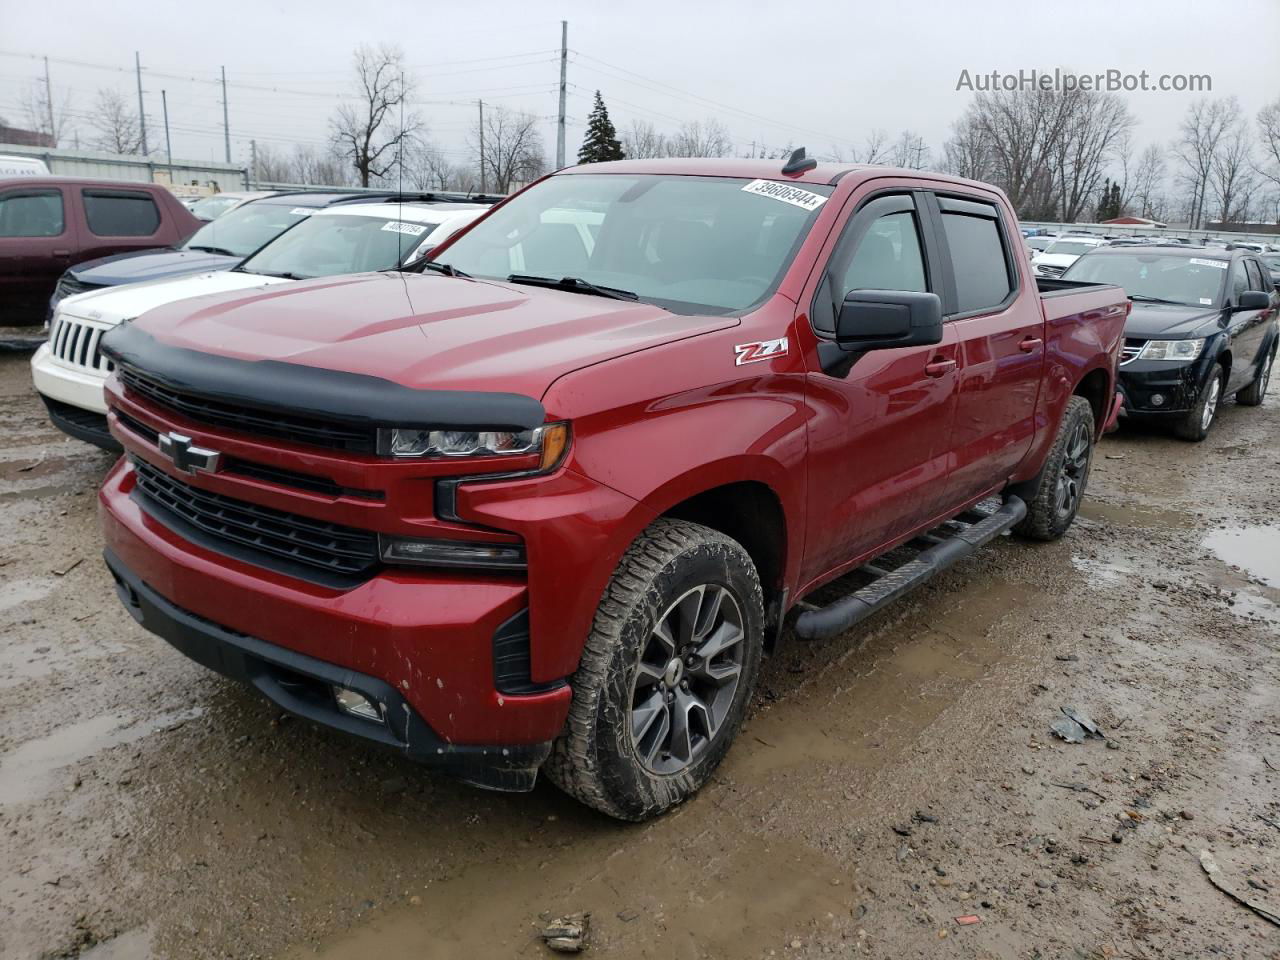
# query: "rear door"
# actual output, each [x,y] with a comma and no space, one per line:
[879,432]
[37,237]
[999,331]
[118,220]
[1248,327]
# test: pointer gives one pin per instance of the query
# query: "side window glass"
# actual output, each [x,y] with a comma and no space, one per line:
[113,214]
[31,213]
[888,257]
[1255,276]
[978,261]
[1239,280]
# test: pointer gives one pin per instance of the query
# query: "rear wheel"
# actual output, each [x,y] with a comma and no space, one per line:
[1195,423]
[666,674]
[1057,498]
[1256,392]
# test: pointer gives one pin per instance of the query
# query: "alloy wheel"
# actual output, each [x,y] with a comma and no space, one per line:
[1211,402]
[1075,470]
[686,678]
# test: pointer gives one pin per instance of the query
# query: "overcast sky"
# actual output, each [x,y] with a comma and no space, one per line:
[819,73]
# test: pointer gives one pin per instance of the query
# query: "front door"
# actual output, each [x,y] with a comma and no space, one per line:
[879,430]
[36,239]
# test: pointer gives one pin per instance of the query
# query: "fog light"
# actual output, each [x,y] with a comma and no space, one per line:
[1157,399]
[357,705]
[452,553]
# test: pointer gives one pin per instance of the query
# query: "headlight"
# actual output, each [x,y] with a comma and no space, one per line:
[548,440]
[1172,349]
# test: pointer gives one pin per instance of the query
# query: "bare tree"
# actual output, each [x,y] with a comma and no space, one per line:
[1095,125]
[875,148]
[968,153]
[312,166]
[273,165]
[910,151]
[510,148]
[1200,136]
[39,112]
[1269,141]
[1148,184]
[1232,179]
[700,138]
[369,132]
[642,141]
[116,127]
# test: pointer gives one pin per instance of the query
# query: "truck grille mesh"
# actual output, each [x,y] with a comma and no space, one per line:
[248,420]
[260,533]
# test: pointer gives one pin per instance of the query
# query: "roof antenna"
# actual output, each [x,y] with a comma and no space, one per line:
[798,163]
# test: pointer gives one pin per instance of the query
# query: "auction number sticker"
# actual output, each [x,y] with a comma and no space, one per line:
[1220,264]
[804,199]
[399,226]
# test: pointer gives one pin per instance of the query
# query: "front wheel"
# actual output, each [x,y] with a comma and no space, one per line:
[1057,497]
[1195,424]
[666,673]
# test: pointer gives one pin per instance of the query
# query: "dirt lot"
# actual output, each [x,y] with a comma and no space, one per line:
[887,783]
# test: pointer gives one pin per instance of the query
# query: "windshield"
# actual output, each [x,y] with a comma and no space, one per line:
[689,244]
[339,243]
[1272,262]
[211,208]
[1071,247]
[1196,281]
[246,228]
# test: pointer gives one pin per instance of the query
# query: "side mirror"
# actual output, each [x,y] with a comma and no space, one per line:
[885,319]
[1254,300]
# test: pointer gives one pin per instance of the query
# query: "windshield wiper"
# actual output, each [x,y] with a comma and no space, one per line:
[286,275]
[1145,299]
[574,285]
[222,250]
[447,269]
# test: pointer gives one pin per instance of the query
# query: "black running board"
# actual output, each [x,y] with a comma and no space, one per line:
[817,623]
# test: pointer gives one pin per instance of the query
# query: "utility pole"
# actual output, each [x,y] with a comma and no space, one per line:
[484,183]
[142,116]
[564,65]
[226,126]
[253,162]
[48,94]
[168,146]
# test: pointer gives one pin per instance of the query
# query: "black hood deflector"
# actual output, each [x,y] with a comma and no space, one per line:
[278,386]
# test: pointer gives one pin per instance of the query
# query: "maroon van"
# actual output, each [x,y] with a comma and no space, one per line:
[50,223]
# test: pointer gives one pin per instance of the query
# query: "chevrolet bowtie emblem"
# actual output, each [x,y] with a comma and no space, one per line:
[188,458]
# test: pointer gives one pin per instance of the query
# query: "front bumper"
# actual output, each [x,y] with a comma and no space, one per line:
[78,387]
[1176,384]
[429,638]
[302,685]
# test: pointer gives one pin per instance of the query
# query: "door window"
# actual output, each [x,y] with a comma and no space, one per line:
[978,261]
[1239,280]
[119,214]
[31,213]
[1255,277]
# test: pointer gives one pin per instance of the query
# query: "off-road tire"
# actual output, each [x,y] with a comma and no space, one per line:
[1044,519]
[1256,392]
[1191,426]
[595,760]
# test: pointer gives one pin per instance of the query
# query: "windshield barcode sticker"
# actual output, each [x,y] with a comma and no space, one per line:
[1220,264]
[302,211]
[804,199]
[399,226]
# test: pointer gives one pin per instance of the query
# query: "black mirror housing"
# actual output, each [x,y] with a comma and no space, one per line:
[885,319]
[1254,300]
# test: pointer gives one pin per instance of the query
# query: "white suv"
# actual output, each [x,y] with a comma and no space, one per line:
[69,370]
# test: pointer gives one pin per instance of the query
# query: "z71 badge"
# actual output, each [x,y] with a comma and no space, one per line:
[760,350]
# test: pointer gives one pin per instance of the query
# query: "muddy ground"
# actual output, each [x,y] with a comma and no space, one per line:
[887,783]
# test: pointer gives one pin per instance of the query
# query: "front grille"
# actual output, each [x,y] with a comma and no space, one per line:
[77,343]
[301,546]
[1047,271]
[260,471]
[1130,350]
[69,286]
[249,420]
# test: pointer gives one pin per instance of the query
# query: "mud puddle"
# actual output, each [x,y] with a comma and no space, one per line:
[1255,549]
[32,770]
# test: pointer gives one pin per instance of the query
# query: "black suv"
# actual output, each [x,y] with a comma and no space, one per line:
[1203,327]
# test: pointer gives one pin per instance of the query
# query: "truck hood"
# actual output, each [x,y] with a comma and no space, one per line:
[149,265]
[1057,259]
[1153,321]
[116,304]
[424,331]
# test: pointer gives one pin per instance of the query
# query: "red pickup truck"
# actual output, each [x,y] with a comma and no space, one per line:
[50,223]
[546,503]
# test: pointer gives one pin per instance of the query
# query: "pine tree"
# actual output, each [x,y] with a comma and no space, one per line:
[601,142]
